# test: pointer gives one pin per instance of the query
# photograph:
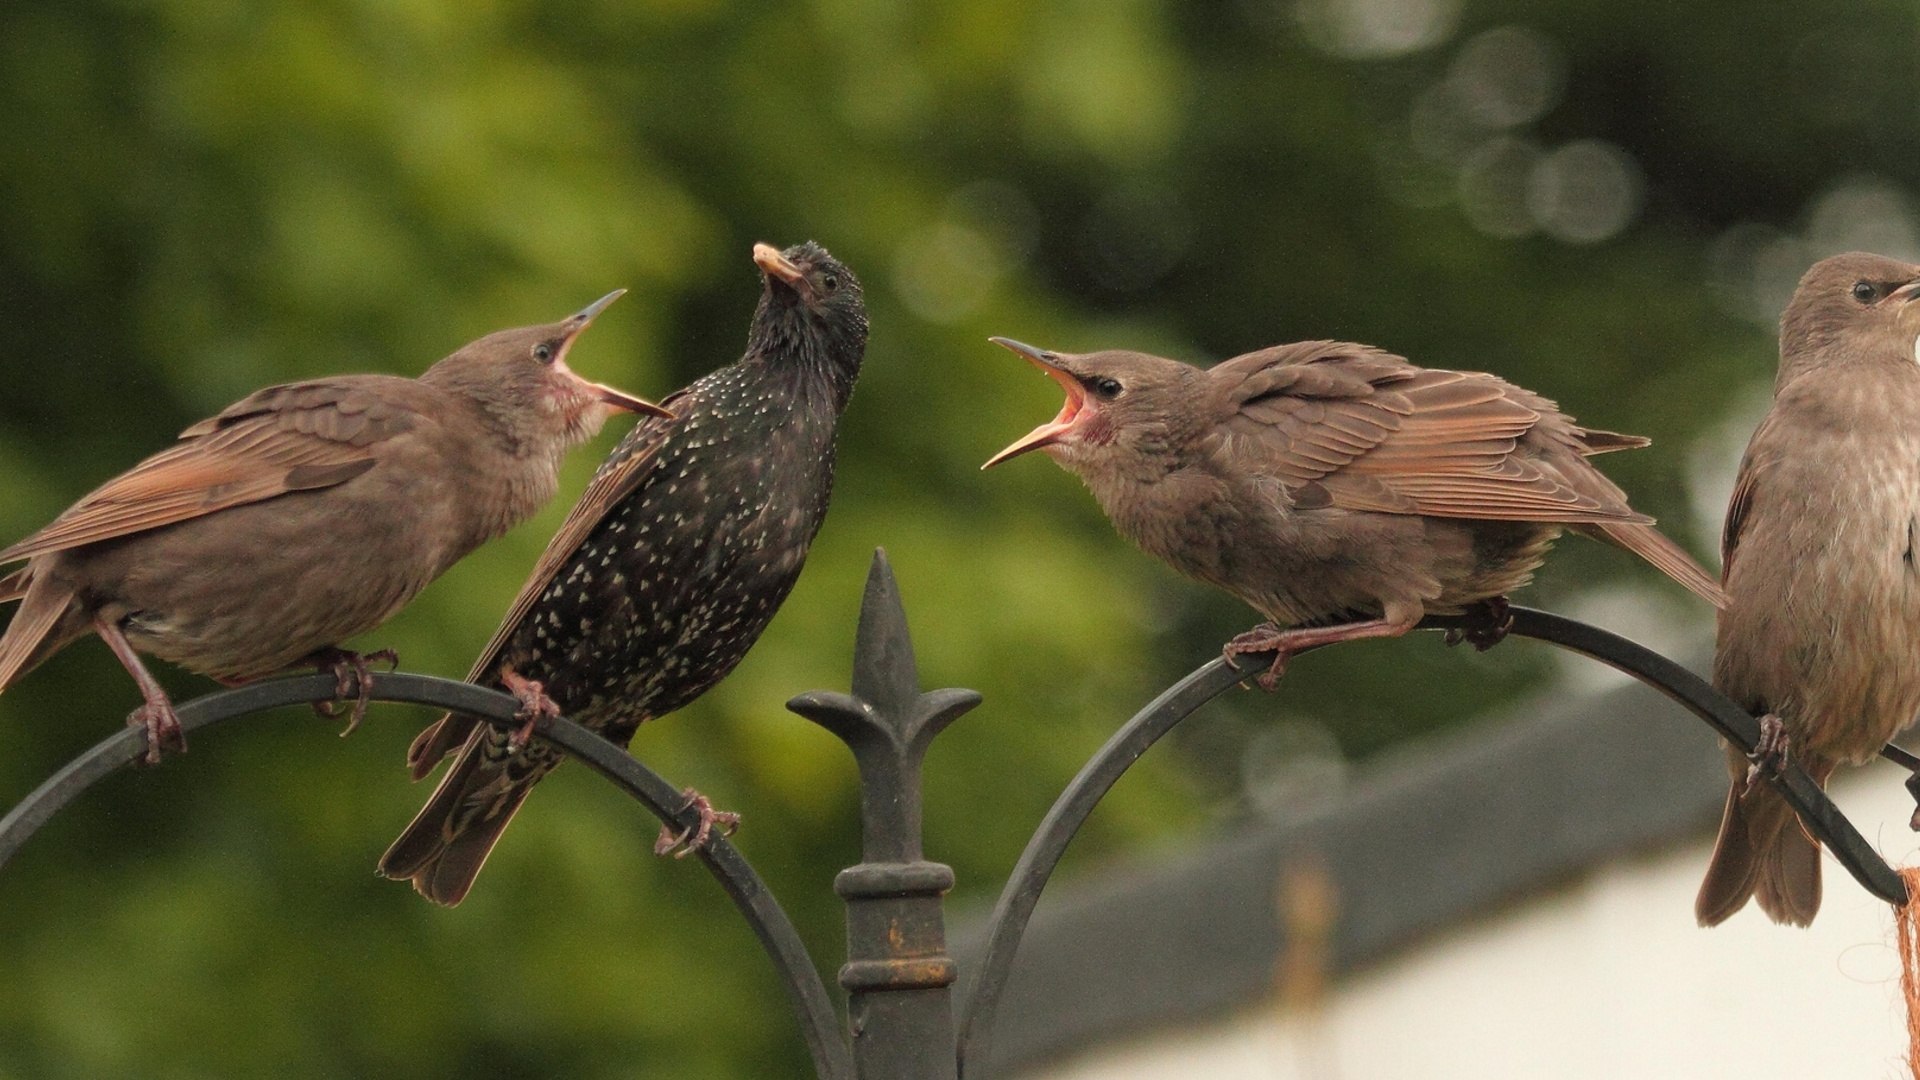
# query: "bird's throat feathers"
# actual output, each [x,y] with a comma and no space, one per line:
[1108,464]
[1088,448]
[791,336]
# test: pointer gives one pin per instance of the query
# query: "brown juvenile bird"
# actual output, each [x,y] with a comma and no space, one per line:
[302,515]
[1339,490]
[1822,638]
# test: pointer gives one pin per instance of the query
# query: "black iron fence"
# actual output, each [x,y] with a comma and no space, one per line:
[902,1022]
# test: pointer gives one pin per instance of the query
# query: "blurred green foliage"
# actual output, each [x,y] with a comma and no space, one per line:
[199,199]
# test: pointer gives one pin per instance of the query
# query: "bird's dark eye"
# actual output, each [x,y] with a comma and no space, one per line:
[1866,291]
[1106,388]
[830,283]
[543,352]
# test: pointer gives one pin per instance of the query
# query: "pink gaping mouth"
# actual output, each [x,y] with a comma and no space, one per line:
[593,391]
[1053,430]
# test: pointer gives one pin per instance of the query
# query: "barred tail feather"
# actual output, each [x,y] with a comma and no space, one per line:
[442,851]
[439,739]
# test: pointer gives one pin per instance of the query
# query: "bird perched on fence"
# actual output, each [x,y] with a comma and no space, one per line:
[664,575]
[302,515]
[1339,490]
[1819,550]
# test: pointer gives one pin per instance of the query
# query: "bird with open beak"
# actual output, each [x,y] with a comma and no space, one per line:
[304,514]
[1822,638]
[1337,489]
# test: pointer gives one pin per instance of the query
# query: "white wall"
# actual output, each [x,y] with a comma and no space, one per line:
[1606,978]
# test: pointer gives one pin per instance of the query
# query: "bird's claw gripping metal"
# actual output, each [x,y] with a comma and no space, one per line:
[162,726]
[1267,637]
[535,708]
[1487,624]
[696,836]
[1770,754]
[352,678]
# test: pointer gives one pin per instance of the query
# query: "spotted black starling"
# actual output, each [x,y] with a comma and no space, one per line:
[665,573]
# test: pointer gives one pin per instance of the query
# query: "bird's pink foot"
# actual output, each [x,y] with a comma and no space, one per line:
[162,726]
[1264,638]
[352,678]
[1770,753]
[156,715]
[699,834]
[1285,644]
[535,707]
[1487,624]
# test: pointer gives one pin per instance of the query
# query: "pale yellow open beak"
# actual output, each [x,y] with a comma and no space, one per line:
[1053,430]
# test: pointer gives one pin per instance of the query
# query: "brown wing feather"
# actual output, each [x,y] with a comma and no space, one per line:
[14,585]
[44,605]
[612,483]
[1737,508]
[1380,434]
[297,437]
[358,409]
[1594,441]
[1670,558]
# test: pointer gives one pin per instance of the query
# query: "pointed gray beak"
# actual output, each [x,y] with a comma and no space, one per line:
[1043,357]
[586,314]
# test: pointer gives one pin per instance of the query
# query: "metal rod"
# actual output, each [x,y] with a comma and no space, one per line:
[980,997]
[819,1024]
[1822,818]
[1901,758]
[981,994]
[890,723]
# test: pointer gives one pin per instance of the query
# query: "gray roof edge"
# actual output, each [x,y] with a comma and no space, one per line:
[1442,832]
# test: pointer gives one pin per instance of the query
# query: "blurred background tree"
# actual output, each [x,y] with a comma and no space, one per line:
[1607,203]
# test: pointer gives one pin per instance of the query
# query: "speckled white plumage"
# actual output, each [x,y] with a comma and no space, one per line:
[687,541]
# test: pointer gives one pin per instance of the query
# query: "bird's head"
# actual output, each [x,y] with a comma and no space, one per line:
[811,311]
[1852,309]
[521,379]
[1120,405]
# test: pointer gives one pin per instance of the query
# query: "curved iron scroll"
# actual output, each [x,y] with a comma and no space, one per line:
[818,1021]
[886,697]
[1008,923]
